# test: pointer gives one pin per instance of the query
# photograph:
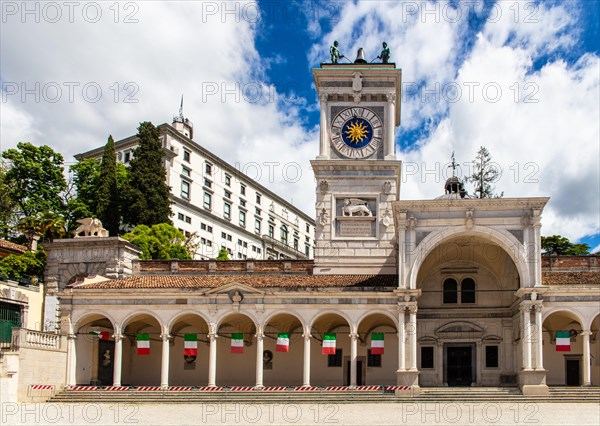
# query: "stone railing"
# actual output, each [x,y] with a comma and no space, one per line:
[24,338]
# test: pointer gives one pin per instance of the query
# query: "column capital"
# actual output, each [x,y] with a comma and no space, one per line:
[259,336]
[585,333]
[165,336]
[525,308]
[118,337]
[212,336]
[391,98]
[413,309]
[323,97]
[538,308]
[353,336]
[306,336]
[72,336]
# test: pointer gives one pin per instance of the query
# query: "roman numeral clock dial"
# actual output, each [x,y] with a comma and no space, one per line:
[356,132]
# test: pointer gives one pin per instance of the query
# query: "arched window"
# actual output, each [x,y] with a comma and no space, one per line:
[467,291]
[284,234]
[450,291]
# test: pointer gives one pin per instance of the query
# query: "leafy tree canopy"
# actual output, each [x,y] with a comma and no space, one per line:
[485,174]
[159,242]
[26,265]
[561,246]
[35,178]
[223,254]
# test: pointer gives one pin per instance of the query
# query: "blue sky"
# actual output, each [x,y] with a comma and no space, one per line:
[543,129]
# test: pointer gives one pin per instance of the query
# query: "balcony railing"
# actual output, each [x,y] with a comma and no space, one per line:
[24,338]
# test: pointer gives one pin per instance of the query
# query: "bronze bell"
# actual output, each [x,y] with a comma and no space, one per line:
[360,57]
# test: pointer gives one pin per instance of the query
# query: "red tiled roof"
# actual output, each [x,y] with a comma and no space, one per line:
[12,246]
[258,281]
[568,278]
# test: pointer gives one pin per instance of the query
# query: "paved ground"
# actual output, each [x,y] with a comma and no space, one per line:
[431,413]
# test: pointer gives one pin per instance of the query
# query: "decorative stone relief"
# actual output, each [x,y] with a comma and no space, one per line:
[469,222]
[356,207]
[357,82]
[323,217]
[90,227]
[387,188]
[324,186]
[387,218]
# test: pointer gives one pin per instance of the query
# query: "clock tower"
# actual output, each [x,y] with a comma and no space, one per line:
[356,171]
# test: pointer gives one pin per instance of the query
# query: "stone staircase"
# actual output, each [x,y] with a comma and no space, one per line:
[427,394]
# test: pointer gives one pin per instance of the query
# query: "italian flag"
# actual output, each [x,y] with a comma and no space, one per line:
[237,343]
[143,344]
[563,341]
[376,343]
[329,344]
[283,342]
[102,335]
[190,344]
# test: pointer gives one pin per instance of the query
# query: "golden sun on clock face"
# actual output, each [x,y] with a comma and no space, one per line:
[356,132]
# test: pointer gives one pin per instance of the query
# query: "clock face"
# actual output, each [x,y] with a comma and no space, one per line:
[356,132]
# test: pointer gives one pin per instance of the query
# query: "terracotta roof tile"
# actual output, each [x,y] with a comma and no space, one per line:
[567,278]
[258,281]
[12,246]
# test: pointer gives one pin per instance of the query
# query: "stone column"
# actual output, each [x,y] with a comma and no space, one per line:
[306,375]
[72,353]
[413,337]
[353,357]
[118,359]
[390,126]
[401,340]
[212,359]
[537,244]
[259,357]
[539,341]
[526,336]
[479,362]
[164,365]
[587,376]
[324,144]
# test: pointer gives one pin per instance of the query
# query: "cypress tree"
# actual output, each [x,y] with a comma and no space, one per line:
[107,195]
[147,194]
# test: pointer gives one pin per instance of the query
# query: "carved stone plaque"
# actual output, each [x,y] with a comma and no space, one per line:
[356,227]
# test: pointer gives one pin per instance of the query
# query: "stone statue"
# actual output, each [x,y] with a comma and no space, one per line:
[335,53]
[385,54]
[356,207]
[91,227]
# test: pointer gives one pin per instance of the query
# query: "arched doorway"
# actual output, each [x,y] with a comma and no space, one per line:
[377,349]
[189,352]
[142,350]
[236,351]
[563,348]
[462,280]
[332,369]
[95,350]
[281,368]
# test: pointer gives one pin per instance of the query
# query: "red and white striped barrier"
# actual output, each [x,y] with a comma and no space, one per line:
[274,388]
[210,388]
[179,388]
[147,388]
[42,387]
[336,388]
[400,388]
[116,388]
[82,388]
[368,388]
[241,388]
[305,388]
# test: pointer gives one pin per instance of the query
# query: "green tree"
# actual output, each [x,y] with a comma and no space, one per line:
[561,246]
[223,254]
[48,225]
[485,174]
[28,264]
[7,205]
[107,195]
[86,179]
[147,194]
[35,179]
[159,242]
